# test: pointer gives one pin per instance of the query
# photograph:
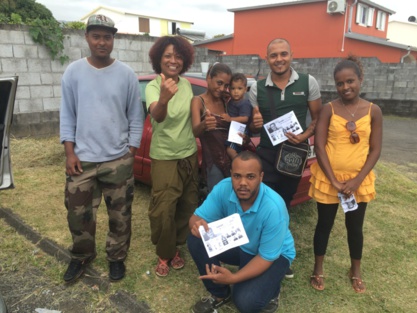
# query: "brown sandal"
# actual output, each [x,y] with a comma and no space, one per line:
[177,262]
[162,269]
[357,284]
[317,282]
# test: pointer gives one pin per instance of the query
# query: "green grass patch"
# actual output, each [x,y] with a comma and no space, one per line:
[389,257]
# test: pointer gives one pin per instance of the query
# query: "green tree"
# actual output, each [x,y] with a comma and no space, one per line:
[7,6]
[43,27]
[27,9]
[74,25]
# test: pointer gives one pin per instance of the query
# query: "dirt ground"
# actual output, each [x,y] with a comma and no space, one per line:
[399,145]
[28,288]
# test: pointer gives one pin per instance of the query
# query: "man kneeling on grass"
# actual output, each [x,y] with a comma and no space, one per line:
[263,261]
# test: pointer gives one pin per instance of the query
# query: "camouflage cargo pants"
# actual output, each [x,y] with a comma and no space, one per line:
[114,181]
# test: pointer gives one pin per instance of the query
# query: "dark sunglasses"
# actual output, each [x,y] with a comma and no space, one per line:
[354,137]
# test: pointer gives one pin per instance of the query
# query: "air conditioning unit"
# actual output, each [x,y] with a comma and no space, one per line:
[336,6]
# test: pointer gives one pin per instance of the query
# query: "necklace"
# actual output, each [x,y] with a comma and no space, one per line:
[357,106]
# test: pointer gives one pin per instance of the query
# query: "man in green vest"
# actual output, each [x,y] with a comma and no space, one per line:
[282,91]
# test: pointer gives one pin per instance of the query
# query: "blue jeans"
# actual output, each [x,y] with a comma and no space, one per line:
[214,175]
[285,186]
[249,296]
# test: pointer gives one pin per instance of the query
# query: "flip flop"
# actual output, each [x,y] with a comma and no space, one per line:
[357,284]
[317,282]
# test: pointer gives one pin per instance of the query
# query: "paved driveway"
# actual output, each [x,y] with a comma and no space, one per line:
[399,140]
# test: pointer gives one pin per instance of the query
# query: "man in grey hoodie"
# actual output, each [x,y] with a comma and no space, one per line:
[101,123]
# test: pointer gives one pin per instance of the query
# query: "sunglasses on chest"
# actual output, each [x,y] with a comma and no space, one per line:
[354,137]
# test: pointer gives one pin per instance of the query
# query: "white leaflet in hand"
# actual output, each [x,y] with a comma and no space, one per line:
[348,202]
[287,123]
[234,130]
[223,235]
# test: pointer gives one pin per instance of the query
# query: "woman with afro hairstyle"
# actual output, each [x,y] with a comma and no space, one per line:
[173,151]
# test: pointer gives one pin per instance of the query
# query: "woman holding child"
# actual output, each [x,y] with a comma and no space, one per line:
[209,125]
[348,144]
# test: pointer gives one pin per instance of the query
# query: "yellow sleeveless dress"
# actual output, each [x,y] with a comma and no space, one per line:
[346,160]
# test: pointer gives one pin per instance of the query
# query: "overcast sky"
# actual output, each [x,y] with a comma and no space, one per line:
[209,16]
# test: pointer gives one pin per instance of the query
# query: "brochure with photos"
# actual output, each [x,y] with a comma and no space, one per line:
[348,202]
[277,128]
[223,235]
[234,130]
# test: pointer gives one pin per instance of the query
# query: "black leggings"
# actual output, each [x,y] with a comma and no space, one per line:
[354,225]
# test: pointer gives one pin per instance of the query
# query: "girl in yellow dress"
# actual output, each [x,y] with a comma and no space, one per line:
[348,142]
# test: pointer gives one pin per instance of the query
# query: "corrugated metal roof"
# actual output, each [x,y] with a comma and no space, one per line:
[193,35]
[213,40]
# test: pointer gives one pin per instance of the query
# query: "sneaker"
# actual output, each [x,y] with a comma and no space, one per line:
[74,271]
[272,306]
[117,270]
[289,273]
[209,304]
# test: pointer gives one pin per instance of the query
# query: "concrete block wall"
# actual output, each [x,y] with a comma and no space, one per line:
[38,97]
[392,86]
[36,113]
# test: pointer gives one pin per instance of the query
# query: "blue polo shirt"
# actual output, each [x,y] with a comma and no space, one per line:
[266,223]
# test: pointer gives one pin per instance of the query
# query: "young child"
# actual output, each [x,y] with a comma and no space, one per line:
[239,109]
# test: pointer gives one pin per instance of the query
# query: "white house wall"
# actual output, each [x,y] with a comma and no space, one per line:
[155,26]
[402,32]
[128,25]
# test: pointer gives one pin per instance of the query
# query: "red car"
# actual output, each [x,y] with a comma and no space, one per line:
[142,164]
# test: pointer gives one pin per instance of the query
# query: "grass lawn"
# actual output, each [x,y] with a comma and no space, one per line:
[389,258]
